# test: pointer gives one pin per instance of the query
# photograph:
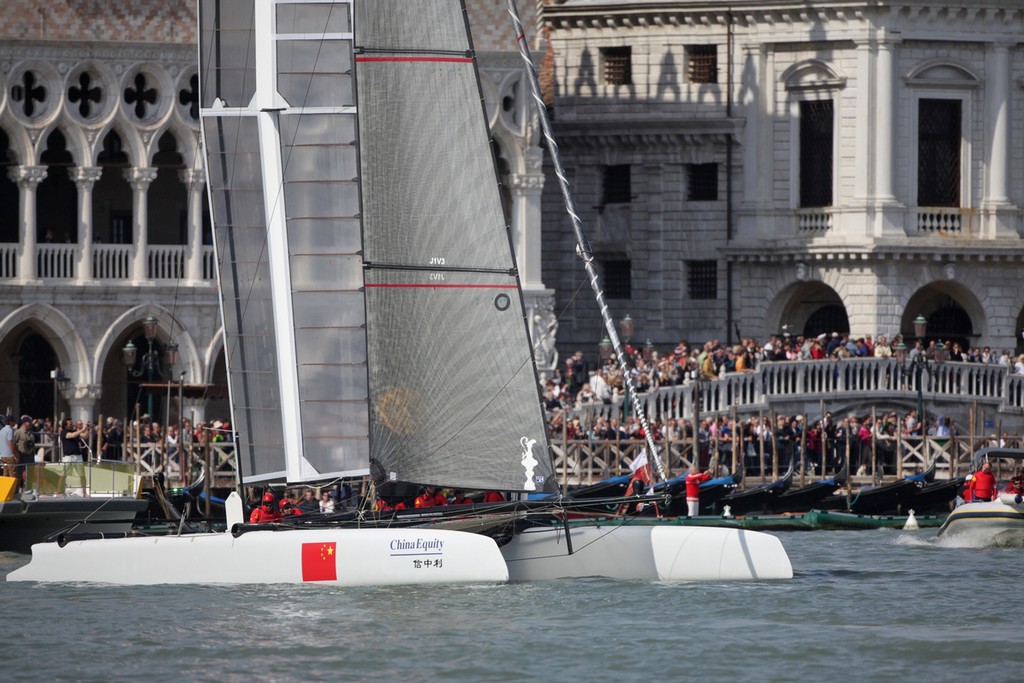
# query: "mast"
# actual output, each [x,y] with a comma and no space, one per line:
[582,243]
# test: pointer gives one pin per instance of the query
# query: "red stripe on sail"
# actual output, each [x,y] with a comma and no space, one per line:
[414,59]
[319,561]
[432,286]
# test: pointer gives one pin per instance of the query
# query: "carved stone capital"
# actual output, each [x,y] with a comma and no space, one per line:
[193,177]
[27,177]
[523,183]
[140,178]
[85,177]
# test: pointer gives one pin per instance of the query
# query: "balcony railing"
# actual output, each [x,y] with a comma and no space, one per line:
[937,221]
[861,380]
[166,262]
[111,263]
[56,261]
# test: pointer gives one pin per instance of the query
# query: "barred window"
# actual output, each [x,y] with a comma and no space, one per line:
[618,277]
[938,153]
[702,62]
[617,65]
[702,279]
[617,185]
[816,121]
[702,182]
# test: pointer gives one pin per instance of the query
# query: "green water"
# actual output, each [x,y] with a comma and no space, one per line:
[879,605]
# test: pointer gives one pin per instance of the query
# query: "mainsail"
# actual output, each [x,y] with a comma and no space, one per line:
[371,301]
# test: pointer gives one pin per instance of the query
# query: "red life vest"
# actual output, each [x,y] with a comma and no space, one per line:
[983,485]
[693,482]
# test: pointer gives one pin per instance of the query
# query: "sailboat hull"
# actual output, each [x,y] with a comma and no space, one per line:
[635,552]
[337,557]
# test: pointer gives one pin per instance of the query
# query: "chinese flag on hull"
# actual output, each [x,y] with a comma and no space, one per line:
[319,562]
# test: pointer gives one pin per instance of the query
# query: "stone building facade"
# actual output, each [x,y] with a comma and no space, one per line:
[754,167]
[103,212]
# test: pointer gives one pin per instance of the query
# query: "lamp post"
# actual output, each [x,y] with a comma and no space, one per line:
[60,385]
[149,365]
[626,328]
[648,351]
[918,363]
[698,398]
[604,350]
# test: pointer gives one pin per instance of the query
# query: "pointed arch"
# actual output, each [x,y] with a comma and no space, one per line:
[59,332]
[168,328]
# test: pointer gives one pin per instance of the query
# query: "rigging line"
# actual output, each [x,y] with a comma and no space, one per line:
[582,244]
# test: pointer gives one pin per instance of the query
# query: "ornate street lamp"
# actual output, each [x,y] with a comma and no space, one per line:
[60,385]
[648,351]
[626,328]
[920,327]
[919,363]
[604,350]
[150,366]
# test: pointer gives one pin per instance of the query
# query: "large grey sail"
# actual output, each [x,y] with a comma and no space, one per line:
[280,134]
[453,392]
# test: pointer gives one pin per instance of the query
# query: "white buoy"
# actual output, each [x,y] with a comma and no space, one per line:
[911,524]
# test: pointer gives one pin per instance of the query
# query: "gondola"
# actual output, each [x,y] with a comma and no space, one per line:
[807,497]
[888,499]
[937,497]
[757,498]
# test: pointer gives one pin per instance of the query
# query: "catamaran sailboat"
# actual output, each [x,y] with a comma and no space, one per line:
[374,317]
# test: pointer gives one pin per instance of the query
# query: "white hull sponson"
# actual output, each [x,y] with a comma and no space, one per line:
[641,552]
[337,557]
[996,523]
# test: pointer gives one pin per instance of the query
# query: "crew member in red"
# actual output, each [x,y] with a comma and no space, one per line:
[459,498]
[983,484]
[430,498]
[267,512]
[966,493]
[493,497]
[382,505]
[288,508]
[693,481]
[1015,485]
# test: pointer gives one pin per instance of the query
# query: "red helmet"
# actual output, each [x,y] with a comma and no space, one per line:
[268,497]
[284,502]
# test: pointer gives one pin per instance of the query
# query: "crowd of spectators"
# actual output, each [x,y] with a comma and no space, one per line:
[578,383]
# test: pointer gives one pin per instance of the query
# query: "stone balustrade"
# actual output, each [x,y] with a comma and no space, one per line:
[110,263]
[795,385]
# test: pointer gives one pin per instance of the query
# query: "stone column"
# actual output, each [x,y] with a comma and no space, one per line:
[140,179]
[195,179]
[997,114]
[28,179]
[526,237]
[526,217]
[754,161]
[85,178]
[82,401]
[885,106]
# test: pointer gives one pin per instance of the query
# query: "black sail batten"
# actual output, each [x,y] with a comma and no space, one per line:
[453,391]
[440,269]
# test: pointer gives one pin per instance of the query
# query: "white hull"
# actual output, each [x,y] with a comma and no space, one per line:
[641,552]
[996,523]
[358,557]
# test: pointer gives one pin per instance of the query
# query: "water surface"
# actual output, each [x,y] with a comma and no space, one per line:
[864,605]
